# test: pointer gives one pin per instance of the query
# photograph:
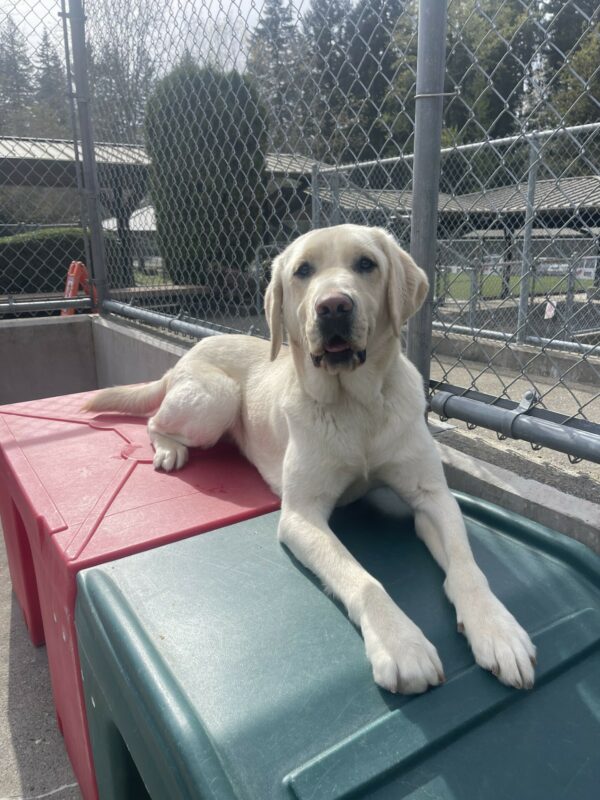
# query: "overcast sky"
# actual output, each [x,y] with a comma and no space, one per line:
[32,16]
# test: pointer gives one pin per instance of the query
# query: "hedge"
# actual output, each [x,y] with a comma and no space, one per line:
[38,261]
[206,138]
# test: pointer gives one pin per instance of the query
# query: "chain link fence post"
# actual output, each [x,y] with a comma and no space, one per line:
[90,177]
[527,258]
[316,203]
[426,169]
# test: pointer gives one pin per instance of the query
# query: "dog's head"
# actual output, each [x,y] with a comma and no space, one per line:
[338,291]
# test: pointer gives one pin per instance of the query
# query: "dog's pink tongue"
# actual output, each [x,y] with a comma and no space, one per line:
[336,347]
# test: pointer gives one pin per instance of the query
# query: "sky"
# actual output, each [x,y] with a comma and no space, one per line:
[205,24]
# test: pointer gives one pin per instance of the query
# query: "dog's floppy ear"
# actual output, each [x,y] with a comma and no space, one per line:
[407,284]
[274,307]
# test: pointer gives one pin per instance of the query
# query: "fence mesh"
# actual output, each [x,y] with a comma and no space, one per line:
[244,113]
[41,224]
[225,130]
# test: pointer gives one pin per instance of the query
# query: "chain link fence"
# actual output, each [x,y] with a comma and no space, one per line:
[213,134]
[41,223]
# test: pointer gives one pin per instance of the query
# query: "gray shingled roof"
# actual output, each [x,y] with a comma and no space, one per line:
[18,148]
[29,149]
[291,164]
[551,195]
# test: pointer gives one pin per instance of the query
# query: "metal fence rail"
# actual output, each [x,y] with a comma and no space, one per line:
[192,145]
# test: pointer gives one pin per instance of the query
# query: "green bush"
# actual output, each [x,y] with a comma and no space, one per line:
[39,261]
[205,135]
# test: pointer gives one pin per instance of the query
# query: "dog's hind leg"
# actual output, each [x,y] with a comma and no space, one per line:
[196,412]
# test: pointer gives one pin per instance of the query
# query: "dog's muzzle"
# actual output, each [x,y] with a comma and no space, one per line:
[335,322]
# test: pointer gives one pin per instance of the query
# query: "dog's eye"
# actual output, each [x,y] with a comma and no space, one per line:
[304,270]
[365,265]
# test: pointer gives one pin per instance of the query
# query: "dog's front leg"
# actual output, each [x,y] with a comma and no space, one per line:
[497,640]
[403,660]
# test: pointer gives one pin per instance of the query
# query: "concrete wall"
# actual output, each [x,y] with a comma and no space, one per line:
[548,363]
[63,355]
[125,354]
[45,357]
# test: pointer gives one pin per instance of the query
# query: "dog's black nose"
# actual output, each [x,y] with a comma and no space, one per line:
[334,305]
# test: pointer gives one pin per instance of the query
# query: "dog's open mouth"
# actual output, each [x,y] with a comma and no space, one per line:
[338,350]
[339,345]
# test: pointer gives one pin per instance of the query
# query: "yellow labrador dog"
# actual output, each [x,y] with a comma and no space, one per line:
[338,411]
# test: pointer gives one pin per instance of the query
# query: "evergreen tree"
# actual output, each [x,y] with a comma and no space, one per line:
[372,70]
[51,111]
[16,87]
[489,55]
[325,29]
[576,92]
[123,64]
[565,23]
[571,74]
[205,135]
[273,65]
[121,80]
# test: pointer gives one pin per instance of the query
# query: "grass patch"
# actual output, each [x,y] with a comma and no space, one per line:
[459,287]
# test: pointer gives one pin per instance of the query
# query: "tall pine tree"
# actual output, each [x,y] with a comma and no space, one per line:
[325,29]
[571,62]
[274,67]
[51,111]
[373,67]
[16,85]
[123,60]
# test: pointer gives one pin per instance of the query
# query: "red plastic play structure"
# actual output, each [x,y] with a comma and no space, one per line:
[78,489]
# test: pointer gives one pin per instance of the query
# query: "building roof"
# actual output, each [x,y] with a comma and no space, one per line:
[291,164]
[50,163]
[12,147]
[18,147]
[557,194]
[550,195]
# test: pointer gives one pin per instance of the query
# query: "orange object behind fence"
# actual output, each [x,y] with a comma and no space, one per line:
[78,278]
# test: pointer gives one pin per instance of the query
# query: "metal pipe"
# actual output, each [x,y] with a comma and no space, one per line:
[589,127]
[158,320]
[518,425]
[431,61]
[526,256]
[90,175]
[17,306]
[538,341]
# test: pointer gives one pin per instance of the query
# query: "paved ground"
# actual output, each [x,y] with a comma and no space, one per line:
[33,761]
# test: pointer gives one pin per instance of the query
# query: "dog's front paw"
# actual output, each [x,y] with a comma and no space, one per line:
[169,455]
[497,640]
[403,660]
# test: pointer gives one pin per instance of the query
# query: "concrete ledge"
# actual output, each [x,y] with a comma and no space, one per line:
[570,515]
[547,363]
[45,357]
[125,354]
